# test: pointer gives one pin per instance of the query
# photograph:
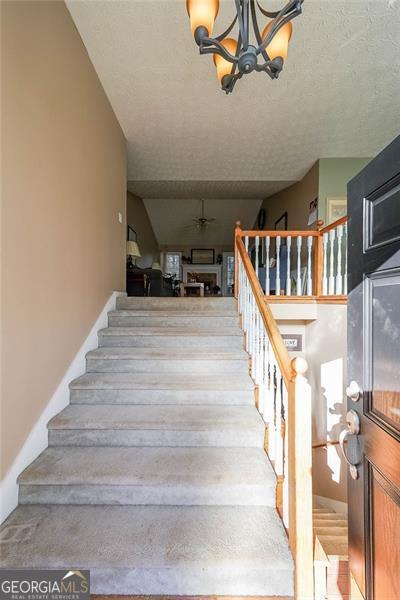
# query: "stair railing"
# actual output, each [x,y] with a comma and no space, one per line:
[300,263]
[283,398]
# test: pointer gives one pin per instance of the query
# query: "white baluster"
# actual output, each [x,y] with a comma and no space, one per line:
[345,260]
[309,272]
[285,490]
[278,264]
[256,260]
[339,282]
[324,269]
[298,280]
[288,282]
[255,348]
[271,428]
[278,464]
[331,262]
[267,242]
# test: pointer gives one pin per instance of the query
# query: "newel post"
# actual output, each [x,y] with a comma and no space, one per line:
[300,480]
[238,231]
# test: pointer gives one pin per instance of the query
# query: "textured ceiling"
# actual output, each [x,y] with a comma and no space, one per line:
[339,94]
[252,190]
[172,220]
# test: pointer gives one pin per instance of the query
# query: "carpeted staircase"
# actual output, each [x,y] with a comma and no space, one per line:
[155,477]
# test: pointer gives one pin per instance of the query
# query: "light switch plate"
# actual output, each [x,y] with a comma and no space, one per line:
[120,217]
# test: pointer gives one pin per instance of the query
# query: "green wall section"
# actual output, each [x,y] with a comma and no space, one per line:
[334,174]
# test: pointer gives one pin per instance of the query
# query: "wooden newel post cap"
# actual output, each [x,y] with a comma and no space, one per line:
[299,365]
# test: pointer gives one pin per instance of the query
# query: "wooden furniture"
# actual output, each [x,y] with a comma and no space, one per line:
[137,282]
[196,286]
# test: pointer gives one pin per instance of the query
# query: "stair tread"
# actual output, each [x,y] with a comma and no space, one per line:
[150,466]
[159,417]
[172,331]
[163,381]
[151,550]
[133,353]
[174,313]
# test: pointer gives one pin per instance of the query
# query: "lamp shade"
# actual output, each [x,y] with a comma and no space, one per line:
[202,13]
[224,67]
[132,249]
[156,266]
[279,44]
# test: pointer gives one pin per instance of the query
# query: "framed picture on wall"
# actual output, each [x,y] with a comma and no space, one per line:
[312,212]
[336,208]
[202,256]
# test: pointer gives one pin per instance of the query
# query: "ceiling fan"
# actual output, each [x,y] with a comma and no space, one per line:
[202,223]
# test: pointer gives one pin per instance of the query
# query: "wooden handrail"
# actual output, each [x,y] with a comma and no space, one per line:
[298,430]
[280,350]
[333,225]
[264,233]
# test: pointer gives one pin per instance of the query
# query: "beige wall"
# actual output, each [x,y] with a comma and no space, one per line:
[326,354]
[138,219]
[295,200]
[64,182]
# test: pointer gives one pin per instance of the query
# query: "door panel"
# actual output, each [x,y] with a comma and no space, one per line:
[382,341]
[374,363]
[383,543]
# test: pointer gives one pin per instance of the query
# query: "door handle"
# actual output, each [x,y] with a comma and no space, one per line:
[353,428]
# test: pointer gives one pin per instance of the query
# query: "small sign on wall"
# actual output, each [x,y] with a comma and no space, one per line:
[293,341]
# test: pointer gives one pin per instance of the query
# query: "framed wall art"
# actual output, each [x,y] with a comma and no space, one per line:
[203,256]
[336,208]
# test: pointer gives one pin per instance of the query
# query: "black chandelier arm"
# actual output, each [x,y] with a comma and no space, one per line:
[266,13]
[229,81]
[277,25]
[240,14]
[222,36]
[257,30]
[213,46]
[273,15]
[238,47]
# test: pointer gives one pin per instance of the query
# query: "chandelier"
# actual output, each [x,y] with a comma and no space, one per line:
[235,58]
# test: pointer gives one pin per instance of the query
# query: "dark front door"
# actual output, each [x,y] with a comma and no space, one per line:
[374,376]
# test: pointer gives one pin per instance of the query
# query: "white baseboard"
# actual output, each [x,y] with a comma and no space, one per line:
[334,505]
[37,440]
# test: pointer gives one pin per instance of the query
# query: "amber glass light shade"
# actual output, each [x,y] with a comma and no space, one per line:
[202,13]
[280,42]
[224,67]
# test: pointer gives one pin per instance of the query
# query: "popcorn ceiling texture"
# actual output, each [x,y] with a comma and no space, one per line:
[338,96]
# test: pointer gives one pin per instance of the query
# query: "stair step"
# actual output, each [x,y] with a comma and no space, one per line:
[163,388]
[136,550]
[174,476]
[330,516]
[330,531]
[164,360]
[157,425]
[176,304]
[334,546]
[172,337]
[159,318]
[330,522]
